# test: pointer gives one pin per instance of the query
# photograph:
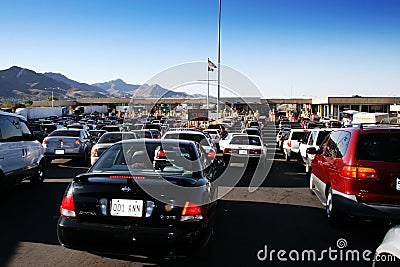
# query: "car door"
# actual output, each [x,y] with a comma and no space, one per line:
[86,139]
[12,152]
[33,149]
[319,175]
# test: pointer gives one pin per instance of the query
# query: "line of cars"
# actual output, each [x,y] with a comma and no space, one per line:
[353,171]
[128,202]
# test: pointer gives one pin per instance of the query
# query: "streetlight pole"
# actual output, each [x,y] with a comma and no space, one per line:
[52,94]
[219,56]
[52,97]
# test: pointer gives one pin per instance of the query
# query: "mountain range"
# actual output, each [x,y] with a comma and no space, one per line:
[22,83]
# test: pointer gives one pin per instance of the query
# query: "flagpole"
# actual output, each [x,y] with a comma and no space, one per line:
[208,89]
[219,57]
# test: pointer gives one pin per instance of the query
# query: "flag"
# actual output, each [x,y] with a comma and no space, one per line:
[211,65]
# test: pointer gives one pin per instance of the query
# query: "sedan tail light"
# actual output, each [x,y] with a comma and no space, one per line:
[67,207]
[191,212]
[255,151]
[44,142]
[289,143]
[211,154]
[77,142]
[227,150]
[95,153]
[160,153]
[359,172]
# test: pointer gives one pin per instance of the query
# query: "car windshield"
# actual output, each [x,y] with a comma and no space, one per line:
[246,140]
[298,135]
[321,137]
[252,131]
[65,133]
[139,159]
[115,137]
[143,134]
[379,147]
[199,138]
[211,131]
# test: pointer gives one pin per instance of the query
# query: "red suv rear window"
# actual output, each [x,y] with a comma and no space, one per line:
[383,146]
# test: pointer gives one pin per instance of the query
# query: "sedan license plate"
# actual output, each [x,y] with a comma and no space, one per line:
[59,152]
[242,152]
[126,207]
[397,183]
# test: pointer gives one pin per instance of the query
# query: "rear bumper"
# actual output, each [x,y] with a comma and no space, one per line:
[348,204]
[139,240]
[51,156]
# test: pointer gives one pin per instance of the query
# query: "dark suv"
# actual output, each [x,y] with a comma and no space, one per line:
[356,172]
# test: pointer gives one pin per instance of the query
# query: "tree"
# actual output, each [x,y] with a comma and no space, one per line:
[28,103]
[50,98]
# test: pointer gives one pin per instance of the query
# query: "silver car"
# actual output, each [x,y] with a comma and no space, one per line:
[21,155]
[68,144]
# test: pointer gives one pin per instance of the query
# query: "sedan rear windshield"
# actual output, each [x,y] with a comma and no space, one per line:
[139,159]
[65,133]
[186,136]
[379,147]
[246,140]
[115,137]
[298,135]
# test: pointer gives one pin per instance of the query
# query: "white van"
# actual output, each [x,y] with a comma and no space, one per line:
[21,154]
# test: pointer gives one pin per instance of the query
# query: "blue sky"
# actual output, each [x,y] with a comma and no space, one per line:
[288,48]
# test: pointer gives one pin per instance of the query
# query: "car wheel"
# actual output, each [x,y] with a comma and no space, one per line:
[287,157]
[308,170]
[333,215]
[86,158]
[312,186]
[38,178]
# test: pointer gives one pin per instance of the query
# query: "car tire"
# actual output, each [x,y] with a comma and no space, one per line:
[311,185]
[86,158]
[334,216]
[38,178]
[287,157]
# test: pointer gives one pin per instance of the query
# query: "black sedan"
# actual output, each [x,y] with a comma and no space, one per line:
[122,205]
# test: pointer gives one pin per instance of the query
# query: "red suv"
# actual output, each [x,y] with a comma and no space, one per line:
[356,172]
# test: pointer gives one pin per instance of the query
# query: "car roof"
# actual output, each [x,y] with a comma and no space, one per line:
[12,114]
[157,141]
[180,131]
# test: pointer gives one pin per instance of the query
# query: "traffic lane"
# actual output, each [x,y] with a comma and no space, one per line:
[30,213]
[64,169]
[244,228]
[245,224]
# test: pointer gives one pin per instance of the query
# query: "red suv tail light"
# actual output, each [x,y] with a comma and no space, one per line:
[191,212]
[67,207]
[359,172]
[364,172]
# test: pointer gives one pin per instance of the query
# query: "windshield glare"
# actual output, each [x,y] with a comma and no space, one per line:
[141,159]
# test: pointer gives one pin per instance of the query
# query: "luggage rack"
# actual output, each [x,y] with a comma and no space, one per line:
[376,125]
